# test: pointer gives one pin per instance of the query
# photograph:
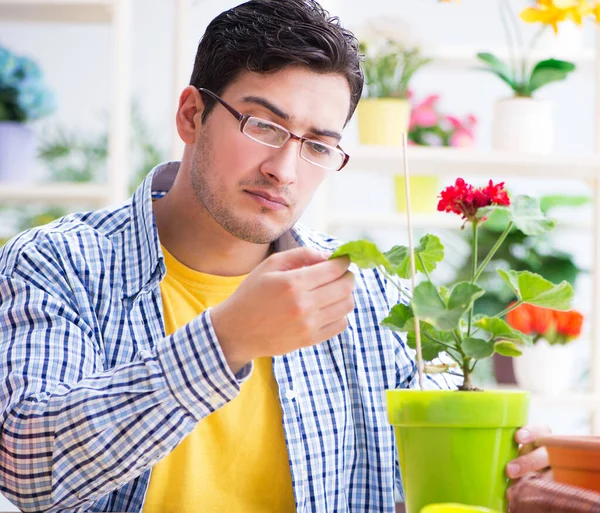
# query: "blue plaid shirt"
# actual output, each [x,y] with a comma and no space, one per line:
[93,393]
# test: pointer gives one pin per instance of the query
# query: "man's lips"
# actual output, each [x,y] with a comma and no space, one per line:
[271,198]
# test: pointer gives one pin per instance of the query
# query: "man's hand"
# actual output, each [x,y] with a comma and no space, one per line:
[293,299]
[531,457]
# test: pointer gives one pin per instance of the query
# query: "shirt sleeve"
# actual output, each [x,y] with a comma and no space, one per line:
[73,429]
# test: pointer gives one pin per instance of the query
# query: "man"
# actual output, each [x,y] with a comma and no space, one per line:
[199,352]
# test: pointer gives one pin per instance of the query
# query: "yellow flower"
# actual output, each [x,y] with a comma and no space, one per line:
[552,12]
[596,11]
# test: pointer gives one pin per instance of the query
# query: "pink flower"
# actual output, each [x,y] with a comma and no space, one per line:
[424,114]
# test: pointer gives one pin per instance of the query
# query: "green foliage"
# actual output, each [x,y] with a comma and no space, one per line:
[389,69]
[446,317]
[525,84]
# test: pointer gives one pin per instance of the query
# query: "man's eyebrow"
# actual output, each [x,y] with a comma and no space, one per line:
[263,102]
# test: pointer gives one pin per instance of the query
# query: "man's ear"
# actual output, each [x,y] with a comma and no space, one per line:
[189,114]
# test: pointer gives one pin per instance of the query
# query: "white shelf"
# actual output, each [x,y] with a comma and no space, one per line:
[465,56]
[459,162]
[56,193]
[81,11]
[438,220]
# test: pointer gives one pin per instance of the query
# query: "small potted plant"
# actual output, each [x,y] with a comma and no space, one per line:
[24,97]
[454,445]
[522,122]
[384,111]
[546,367]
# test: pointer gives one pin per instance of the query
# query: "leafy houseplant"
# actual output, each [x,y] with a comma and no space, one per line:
[478,426]
[24,97]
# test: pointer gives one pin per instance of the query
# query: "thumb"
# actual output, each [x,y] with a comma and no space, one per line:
[296,258]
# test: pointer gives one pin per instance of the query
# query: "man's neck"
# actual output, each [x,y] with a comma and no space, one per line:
[200,243]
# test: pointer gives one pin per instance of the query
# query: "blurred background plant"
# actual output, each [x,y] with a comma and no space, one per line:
[431,127]
[24,95]
[70,156]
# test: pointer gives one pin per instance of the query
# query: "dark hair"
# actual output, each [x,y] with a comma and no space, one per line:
[265,36]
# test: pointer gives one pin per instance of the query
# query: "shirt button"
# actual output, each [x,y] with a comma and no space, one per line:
[290,394]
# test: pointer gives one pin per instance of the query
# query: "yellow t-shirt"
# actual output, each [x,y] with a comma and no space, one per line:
[236,459]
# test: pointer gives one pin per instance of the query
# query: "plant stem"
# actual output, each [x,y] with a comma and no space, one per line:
[492,252]
[467,385]
[512,51]
[473,270]
[506,310]
[391,279]
[512,16]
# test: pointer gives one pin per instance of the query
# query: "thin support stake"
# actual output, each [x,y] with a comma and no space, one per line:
[411,249]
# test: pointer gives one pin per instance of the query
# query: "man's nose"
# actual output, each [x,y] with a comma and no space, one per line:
[282,164]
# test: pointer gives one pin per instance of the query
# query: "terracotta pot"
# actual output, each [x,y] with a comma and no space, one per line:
[575,460]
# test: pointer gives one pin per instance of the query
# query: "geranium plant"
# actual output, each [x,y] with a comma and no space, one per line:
[557,328]
[521,75]
[446,319]
[24,96]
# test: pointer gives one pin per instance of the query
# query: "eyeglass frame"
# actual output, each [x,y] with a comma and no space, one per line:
[243,119]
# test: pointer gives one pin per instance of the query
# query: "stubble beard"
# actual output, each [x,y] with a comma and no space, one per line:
[212,199]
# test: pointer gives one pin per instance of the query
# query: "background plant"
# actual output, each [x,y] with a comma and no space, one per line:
[68,155]
[557,328]
[446,318]
[24,96]
[522,76]
[430,127]
[389,68]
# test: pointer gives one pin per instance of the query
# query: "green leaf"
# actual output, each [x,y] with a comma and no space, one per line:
[477,348]
[500,330]
[428,253]
[547,71]
[400,318]
[506,348]
[527,216]
[429,306]
[533,289]
[363,253]
[497,67]
[551,201]
[429,348]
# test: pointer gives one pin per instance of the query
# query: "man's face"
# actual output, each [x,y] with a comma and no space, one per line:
[255,192]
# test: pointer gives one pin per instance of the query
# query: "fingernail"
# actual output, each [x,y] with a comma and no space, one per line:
[524,436]
[513,469]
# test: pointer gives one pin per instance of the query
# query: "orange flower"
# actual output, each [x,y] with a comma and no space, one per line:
[531,320]
[568,324]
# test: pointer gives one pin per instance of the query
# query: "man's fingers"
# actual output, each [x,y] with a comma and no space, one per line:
[532,462]
[296,258]
[322,273]
[335,311]
[530,434]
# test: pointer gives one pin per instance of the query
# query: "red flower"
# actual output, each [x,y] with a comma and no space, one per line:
[463,199]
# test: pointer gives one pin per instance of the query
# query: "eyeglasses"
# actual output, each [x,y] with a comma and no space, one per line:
[275,136]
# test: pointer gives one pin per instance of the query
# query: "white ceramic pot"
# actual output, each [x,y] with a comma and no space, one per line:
[17,152]
[544,368]
[523,125]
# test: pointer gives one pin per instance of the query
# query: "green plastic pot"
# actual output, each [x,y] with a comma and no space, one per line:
[454,446]
[455,508]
